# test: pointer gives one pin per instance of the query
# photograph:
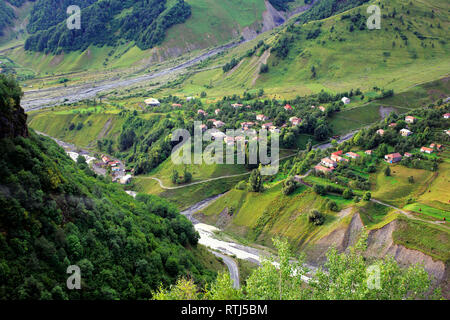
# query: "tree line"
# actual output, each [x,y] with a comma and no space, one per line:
[143,21]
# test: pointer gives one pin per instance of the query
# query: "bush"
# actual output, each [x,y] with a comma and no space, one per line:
[333,206]
[367,196]
[387,171]
[316,218]
[347,194]
[289,186]
[264,68]
[319,189]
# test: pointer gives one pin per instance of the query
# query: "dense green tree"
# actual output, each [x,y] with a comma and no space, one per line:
[255,181]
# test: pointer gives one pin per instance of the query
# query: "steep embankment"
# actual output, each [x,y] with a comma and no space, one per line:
[56,213]
[259,217]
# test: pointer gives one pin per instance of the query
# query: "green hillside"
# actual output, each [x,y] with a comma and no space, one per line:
[339,53]
[223,22]
[57,213]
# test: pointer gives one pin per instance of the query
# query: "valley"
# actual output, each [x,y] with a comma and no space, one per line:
[361,116]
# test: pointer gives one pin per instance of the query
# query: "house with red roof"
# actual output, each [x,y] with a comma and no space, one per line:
[261,117]
[288,107]
[295,121]
[393,157]
[436,146]
[336,156]
[426,150]
[327,162]
[218,124]
[247,124]
[352,155]
[447,116]
[410,119]
[267,125]
[323,169]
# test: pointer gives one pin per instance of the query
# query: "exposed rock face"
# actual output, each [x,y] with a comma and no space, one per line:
[271,18]
[380,243]
[13,120]
[341,238]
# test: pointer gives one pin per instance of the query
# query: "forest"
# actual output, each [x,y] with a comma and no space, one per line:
[143,21]
[56,213]
[6,16]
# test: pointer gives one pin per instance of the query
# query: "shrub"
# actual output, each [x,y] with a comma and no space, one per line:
[264,68]
[316,218]
[333,206]
[347,194]
[319,189]
[289,186]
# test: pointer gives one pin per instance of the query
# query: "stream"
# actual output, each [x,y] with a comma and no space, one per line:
[225,249]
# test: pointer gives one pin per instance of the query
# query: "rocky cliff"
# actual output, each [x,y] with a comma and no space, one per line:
[13,120]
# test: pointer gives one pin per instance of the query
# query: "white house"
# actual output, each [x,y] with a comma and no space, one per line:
[126,179]
[405,132]
[295,121]
[345,100]
[447,116]
[261,117]
[152,102]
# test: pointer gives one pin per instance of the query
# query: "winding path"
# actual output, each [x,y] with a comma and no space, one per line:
[161,184]
[406,213]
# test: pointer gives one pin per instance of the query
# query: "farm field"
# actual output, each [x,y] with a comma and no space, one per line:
[396,189]
[185,197]
[96,123]
[435,200]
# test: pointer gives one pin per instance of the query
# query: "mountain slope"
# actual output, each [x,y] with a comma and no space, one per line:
[211,23]
[56,214]
[339,53]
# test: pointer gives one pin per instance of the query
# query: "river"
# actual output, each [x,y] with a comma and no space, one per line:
[225,249]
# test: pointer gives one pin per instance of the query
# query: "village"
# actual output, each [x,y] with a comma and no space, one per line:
[328,164]
[248,128]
